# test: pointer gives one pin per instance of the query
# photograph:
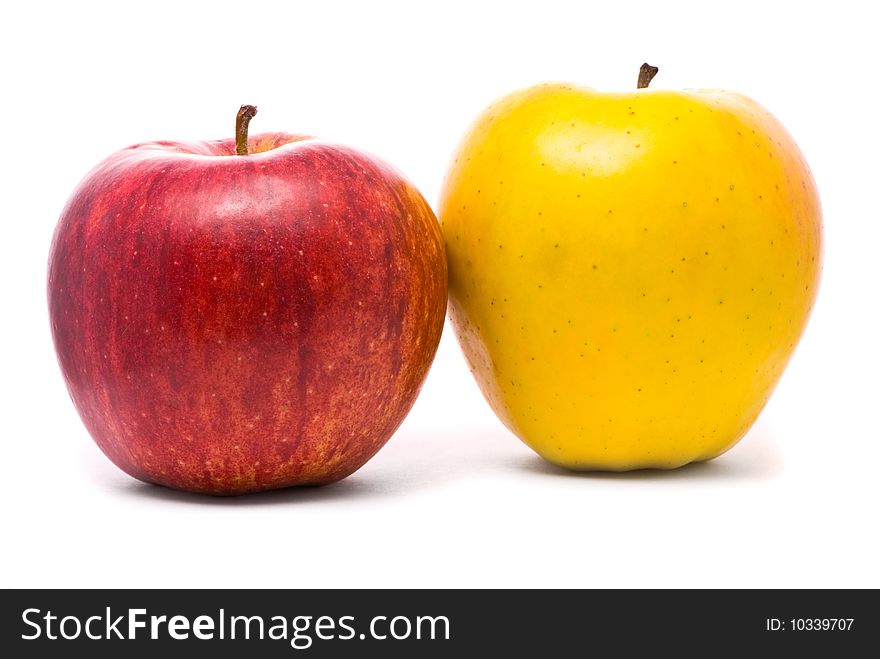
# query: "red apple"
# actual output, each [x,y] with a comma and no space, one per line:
[235,323]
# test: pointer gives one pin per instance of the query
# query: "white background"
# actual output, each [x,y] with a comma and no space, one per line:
[453,499]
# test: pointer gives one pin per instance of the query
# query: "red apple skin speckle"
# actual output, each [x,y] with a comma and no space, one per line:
[229,324]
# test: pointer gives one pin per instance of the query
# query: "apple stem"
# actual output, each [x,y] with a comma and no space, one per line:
[242,119]
[646,75]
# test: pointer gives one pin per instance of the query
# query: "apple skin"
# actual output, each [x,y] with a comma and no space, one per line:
[230,324]
[629,273]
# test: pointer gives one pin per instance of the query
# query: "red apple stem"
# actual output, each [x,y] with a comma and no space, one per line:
[646,75]
[242,119]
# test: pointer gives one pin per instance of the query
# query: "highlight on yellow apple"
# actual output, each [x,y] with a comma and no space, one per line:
[629,272]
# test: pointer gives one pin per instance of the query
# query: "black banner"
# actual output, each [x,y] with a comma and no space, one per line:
[432,623]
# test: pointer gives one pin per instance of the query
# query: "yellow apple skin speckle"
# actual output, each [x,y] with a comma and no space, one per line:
[629,272]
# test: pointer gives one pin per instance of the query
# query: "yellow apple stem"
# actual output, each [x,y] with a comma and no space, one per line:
[242,119]
[646,75]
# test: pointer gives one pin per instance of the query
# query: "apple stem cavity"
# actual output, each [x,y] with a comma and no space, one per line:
[242,119]
[646,75]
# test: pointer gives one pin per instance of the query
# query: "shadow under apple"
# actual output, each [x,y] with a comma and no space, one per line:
[346,489]
[755,457]
[414,462]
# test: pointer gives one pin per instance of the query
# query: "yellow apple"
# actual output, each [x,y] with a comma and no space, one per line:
[629,272]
